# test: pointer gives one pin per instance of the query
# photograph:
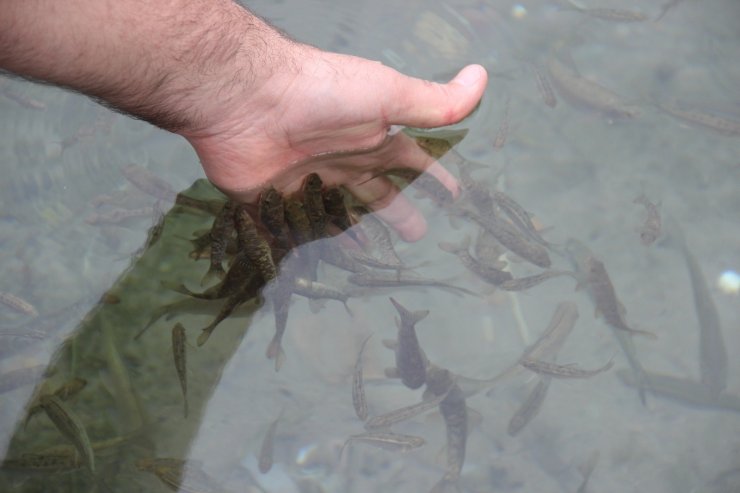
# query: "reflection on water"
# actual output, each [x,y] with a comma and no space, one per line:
[585,112]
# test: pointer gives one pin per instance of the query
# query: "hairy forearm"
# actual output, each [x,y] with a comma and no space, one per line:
[162,61]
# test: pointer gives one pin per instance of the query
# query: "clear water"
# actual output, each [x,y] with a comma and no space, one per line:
[576,170]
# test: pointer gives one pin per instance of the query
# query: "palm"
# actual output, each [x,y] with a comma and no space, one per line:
[333,118]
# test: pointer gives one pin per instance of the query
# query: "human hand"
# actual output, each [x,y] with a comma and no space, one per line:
[330,113]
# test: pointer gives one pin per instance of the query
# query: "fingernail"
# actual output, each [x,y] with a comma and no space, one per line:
[470,75]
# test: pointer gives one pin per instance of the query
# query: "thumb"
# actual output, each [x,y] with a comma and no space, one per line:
[425,104]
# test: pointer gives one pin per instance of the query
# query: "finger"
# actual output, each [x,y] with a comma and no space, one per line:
[383,197]
[420,103]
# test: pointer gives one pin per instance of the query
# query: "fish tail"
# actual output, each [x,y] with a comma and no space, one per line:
[215,271]
[645,333]
[177,287]
[275,351]
[348,309]
[204,335]
[449,247]
[155,316]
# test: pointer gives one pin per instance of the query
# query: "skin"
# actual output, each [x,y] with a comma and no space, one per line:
[257,107]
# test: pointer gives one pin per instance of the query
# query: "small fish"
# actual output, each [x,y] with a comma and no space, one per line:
[683,390]
[314,205]
[212,206]
[503,129]
[267,449]
[272,215]
[480,197]
[221,231]
[389,441]
[529,408]
[715,123]
[455,414]
[18,304]
[281,295]
[522,283]
[561,371]
[253,244]
[510,237]
[424,182]
[317,290]
[179,353]
[22,100]
[65,391]
[70,426]
[337,210]
[607,305]
[712,350]
[486,272]
[302,234]
[561,324]
[42,462]
[298,223]
[410,359]
[650,231]
[332,253]
[148,182]
[488,250]
[518,216]
[241,272]
[249,291]
[117,216]
[358,388]
[380,239]
[388,419]
[544,86]
[585,93]
[399,279]
[614,15]
[596,281]
[437,143]
[180,475]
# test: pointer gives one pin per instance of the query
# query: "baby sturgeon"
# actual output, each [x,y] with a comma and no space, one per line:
[530,407]
[583,92]
[596,280]
[410,359]
[650,231]
[70,426]
[268,447]
[562,371]
[358,388]
[179,355]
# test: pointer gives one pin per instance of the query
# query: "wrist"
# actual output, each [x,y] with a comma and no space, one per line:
[244,70]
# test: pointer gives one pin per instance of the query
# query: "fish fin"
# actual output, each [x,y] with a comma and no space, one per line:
[449,247]
[204,335]
[215,272]
[419,315]
[391,344]
[316,305]
[645,333]
[275,351]
[155,316]
[475,419]
[391,372]
[348,309]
